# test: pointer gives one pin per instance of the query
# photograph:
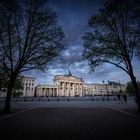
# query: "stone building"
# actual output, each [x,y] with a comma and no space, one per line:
[46,91]
[28,86]
[103,89]
[69,85]
[64,85]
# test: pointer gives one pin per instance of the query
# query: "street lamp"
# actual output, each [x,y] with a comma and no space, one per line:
[107,91]
[103,84]
[120,86]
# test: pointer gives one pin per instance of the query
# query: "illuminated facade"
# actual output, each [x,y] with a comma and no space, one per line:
[68,85]
[28,86]
[103,89]
[46,90]
[64,85]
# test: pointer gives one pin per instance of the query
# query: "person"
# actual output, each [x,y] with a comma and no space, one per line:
[119,97]
[125,98]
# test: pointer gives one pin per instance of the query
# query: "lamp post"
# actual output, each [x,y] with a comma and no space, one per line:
[107,91]
[103,88]
[103,83]
[120,86]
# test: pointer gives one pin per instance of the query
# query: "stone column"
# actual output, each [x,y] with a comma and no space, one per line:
[63,89]
[69,89]
[66,89]
[80,89]
[73,89]
[57,91]
[77,88]
[60,89]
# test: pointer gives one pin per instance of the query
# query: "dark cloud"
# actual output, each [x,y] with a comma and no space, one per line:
[73,16]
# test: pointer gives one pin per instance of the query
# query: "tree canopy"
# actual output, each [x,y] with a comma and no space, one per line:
[30,38]
[114,37]
[29,35]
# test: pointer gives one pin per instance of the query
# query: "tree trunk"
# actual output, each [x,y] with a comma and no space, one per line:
[7,107]
[135,85]
[136,90]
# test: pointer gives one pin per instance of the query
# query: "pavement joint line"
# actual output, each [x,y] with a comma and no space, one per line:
[122,111]
[23,111]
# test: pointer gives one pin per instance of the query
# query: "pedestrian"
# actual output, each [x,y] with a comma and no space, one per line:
[125,98]
[119,97]
[68,99]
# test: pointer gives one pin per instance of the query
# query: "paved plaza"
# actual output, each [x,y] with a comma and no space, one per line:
[71,120]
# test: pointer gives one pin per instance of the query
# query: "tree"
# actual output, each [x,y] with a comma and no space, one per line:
[3,79]
[114,38]
[18,87]
[130,89]
[137,12]
[30,38]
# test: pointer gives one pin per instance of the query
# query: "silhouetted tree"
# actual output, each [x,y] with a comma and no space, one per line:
[137,13]
[18,87]
[29,38]
[130,89]
[114,38]
[3,79]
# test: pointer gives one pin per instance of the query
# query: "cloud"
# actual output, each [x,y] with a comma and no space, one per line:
[73,16]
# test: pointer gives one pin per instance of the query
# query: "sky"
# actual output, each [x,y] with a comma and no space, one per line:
[73,15]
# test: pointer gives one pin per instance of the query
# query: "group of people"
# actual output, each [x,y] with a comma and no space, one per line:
[124,97]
